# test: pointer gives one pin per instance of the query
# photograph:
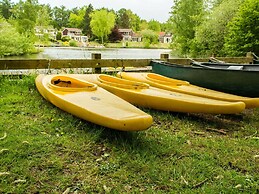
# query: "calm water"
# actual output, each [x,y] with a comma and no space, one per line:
[107,53]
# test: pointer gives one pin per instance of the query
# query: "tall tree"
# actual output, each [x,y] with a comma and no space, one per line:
[60,17]
[25,16]
[86,21]
[76,18]
[244,30]
[154,25]
[122,19]
[5,8]
[102,23]
[127,19]
[43,16]
[209,37]
[186,15]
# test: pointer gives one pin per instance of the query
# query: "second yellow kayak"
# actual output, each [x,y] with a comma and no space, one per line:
[143,95]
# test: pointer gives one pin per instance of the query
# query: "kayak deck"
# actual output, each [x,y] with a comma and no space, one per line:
[92,103]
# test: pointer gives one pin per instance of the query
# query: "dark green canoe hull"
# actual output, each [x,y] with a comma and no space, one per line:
[239,82]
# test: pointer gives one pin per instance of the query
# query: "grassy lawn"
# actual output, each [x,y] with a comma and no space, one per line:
[46,150]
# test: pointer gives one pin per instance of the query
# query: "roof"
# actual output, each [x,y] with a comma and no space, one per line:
[124,30]
[73,29]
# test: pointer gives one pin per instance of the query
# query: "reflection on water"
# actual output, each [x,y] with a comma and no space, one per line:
[85,53]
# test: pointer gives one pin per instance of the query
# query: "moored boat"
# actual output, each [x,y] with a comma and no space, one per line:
[92,103]
[230,80]
[171,84]
[143,95]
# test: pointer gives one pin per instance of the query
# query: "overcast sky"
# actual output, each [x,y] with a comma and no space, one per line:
[145,9]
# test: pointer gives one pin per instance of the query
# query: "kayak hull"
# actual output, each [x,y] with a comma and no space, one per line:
[176,85]
[93,104]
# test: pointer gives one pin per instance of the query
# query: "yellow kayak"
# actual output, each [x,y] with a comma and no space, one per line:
[143,95]
[92,103]
[166,83]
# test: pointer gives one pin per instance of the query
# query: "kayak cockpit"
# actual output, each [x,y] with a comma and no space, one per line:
[164,80]
[70,84]
[121,83]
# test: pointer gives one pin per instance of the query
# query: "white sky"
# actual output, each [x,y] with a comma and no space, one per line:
[145,9]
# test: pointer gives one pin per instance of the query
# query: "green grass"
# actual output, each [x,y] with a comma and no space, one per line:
[46,150]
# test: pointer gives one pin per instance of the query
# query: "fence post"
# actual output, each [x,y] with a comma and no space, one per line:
[164,56]
[97,69]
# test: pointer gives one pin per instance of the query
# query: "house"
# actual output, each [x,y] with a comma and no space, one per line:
[74,34]
[126,34]
[136,37]
[165,37]
[40,31]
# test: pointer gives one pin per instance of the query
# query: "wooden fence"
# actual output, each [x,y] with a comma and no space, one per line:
[97,63]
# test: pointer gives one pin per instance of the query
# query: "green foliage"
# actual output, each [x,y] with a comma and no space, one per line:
[59,35]
[65,39]
[25,16]
[60,17]
[43,17]
[12,42]
[149,37]
[76,19]
[5,8]
[102,23]
[209,36]
[154,25]
[86,21]
[127,19]
[186,15]
[73,43]
[244,30]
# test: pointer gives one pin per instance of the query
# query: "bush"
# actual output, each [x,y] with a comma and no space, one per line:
[73,43]
[17,44]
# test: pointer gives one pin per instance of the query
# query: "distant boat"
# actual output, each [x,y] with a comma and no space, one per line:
[231,78]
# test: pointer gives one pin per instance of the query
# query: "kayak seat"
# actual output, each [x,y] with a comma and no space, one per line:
[165,80]
[69,84]
[121,83]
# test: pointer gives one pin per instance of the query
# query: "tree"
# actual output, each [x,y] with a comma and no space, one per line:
[122,19]
[115,35]
[149,37]
[17,45]
[60,17]
[154,25]
[76,18]
[243,30]
[186,15]
[209,36]
[5,8]
[43,17]
[25,16]
[101,23]
[127,19]
[86,21]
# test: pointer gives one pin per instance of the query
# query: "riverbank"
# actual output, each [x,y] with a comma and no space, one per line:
[46,150]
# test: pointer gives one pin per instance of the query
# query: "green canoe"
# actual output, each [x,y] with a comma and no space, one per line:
[243,81]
